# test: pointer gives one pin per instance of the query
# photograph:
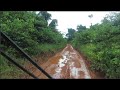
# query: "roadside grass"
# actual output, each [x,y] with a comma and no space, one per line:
[10,71]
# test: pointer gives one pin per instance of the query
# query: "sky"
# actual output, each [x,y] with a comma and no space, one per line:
[70,19]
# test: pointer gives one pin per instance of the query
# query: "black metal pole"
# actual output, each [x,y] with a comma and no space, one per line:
[24,54]
[13,61]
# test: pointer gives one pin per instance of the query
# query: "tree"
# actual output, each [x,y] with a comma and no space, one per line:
[80,28]
[101,44]
[53,24]
[45,15]
[90,16]
[70,34]
[31,32]
[112,18]
[115,19]
[105,20]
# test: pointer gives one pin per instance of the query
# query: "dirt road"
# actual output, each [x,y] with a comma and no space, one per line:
[67,64]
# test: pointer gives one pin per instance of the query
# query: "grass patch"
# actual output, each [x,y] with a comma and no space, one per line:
[8,70]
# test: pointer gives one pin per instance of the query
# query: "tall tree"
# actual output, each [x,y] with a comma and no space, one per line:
[112,18]
[81,28]
[45,14]
[53,24]
[90,16]
[70,34]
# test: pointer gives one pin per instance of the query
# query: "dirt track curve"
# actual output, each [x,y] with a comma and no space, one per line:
[67,64]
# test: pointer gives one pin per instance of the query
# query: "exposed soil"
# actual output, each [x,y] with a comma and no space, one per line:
[67,64]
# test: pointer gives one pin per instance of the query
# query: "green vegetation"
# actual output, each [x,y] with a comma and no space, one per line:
[101,44]
[30,31]
[70,34]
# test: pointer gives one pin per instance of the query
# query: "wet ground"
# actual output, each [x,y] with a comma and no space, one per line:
[67,64]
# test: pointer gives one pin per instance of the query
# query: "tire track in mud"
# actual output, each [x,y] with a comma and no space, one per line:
[67,64]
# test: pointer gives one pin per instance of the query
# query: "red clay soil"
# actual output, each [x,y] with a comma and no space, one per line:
[67,64]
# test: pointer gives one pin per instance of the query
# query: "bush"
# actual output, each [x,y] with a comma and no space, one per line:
[31,32]
[101,44]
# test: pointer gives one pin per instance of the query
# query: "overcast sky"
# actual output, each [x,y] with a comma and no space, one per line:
[70,19]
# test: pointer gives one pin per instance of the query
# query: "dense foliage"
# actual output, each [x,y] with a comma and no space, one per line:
[70,34]
[30,31]
[101,44]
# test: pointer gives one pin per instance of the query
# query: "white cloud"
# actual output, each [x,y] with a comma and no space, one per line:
[70,19]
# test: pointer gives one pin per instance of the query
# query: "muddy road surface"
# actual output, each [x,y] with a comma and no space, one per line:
[67,64]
